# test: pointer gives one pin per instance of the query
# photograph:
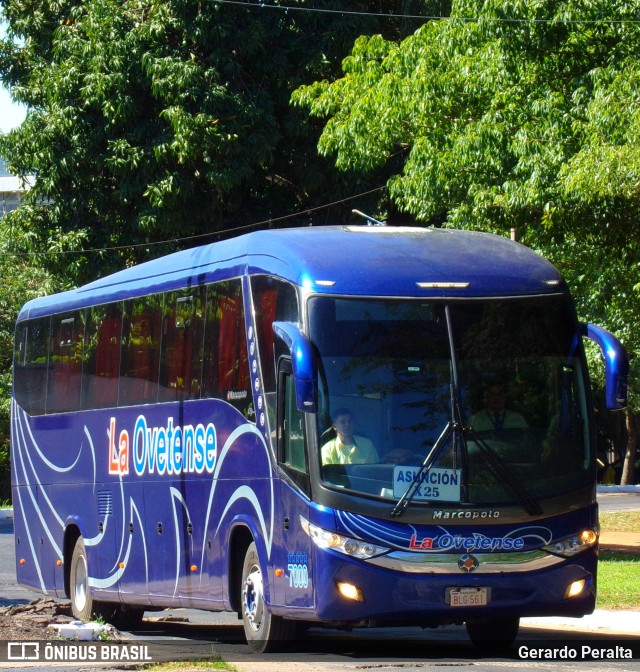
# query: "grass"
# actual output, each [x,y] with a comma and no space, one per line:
[620,521]
[188,666]
[619,573]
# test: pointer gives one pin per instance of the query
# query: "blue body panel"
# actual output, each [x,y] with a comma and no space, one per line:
[117,502]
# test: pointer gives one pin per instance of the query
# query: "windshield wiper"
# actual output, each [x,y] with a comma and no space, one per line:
[452,428]
[427,463]
[506,476]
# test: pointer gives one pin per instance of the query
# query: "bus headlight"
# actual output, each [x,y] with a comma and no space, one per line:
[576,543]
[354,548]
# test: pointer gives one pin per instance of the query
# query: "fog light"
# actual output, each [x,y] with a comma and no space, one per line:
[575,588]
[350,591]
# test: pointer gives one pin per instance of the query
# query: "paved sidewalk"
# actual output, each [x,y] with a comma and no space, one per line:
[600,621]
[625,542]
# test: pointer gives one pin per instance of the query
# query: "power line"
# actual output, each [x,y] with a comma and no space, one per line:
[236,230]
[422,17]
[319,10]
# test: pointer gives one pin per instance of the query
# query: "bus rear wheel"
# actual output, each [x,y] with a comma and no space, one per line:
[493,633]
[84,607]
[82,604]
[264,631]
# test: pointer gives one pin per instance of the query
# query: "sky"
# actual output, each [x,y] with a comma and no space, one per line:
[11,114]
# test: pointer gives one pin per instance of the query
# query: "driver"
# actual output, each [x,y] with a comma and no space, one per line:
[347,447]
[495,414]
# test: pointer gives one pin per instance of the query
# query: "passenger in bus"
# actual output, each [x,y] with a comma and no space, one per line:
[495,415]
[347,447]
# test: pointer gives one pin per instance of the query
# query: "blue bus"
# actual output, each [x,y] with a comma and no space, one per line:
[177,437]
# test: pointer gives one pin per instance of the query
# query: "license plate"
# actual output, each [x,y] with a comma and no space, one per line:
[468,597]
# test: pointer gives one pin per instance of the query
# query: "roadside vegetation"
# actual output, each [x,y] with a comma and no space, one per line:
[620,521]
[189,666]
[166,123]
[619,573]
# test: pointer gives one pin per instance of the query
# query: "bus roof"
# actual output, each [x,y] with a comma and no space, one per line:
[344,260]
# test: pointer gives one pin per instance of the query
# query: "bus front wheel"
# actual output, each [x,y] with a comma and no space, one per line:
[82,604]
[264,631]
[493,632]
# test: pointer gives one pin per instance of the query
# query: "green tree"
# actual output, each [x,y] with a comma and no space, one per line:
[157,119]
[22,279]
[511,114]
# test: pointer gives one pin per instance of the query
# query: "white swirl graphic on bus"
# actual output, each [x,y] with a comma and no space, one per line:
[169,449]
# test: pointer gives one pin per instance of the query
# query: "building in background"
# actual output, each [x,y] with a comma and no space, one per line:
[12,189]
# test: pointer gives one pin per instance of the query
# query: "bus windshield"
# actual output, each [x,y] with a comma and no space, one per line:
[477,402]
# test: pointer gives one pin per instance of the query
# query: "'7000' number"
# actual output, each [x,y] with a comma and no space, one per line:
[298,576]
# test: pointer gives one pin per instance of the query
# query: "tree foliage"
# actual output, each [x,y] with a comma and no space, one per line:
[156,119]
[511,114]
[22,279]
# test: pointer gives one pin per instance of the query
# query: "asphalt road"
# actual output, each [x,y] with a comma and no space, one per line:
[619,501]
[203,634]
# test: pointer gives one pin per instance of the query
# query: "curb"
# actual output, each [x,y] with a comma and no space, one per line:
[623,622]
[6,513]
[604,489]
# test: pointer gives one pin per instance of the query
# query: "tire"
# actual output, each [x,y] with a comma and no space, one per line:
[85,608]
[82,604]
[264,631]
[493,633]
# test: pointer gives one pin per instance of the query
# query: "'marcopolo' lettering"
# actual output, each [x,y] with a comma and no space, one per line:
[163,450]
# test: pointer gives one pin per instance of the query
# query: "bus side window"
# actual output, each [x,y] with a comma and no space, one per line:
[65,362]
[31,361]
[181,357]
[102,355]
[226,367]
[273,300]
[140,347]
[292,452]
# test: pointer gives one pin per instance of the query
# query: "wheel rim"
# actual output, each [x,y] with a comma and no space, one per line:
[253,600]
[80,585]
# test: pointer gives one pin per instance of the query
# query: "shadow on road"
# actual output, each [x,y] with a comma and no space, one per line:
[375,645]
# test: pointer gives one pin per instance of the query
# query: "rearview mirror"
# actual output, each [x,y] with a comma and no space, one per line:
[616,365]
[303,364]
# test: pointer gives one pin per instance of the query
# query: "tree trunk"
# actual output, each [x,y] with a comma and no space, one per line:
[627,477]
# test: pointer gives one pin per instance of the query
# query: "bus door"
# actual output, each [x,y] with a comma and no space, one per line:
[293,545]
